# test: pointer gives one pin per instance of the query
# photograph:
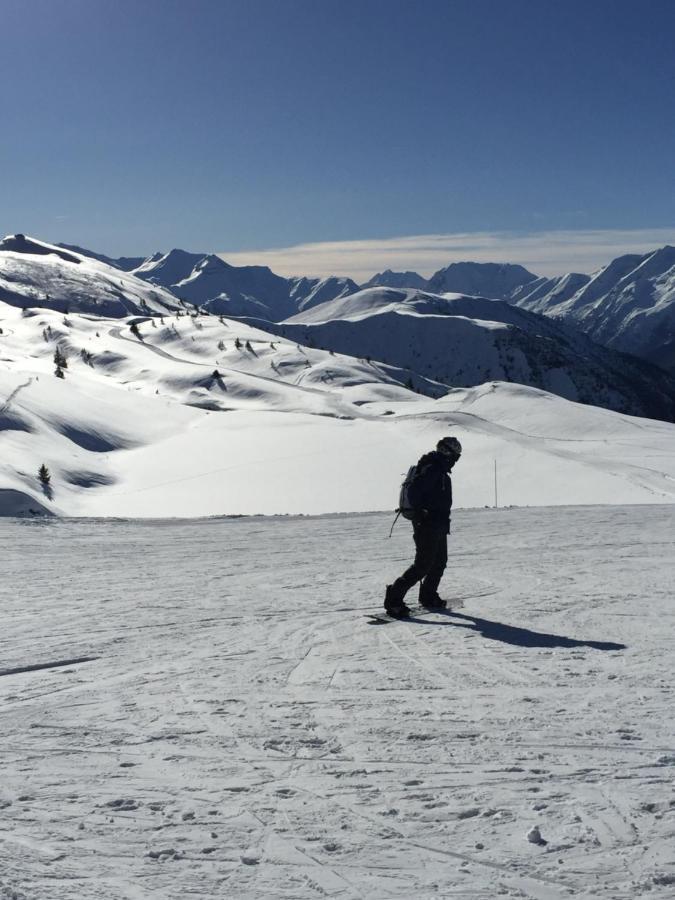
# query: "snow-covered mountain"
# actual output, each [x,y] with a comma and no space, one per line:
[494,280]
[628,305]
[198,416]
[208,281]
[465,341]
[35,273]
[309,292]
[542,293]
[396,280]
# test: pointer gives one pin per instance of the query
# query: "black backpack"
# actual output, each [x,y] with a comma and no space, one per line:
[406,507]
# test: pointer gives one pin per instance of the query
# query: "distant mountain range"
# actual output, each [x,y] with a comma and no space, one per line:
[207,281]
[462,332]
[628,305]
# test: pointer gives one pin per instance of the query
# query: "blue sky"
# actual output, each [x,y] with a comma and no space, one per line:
[253,125]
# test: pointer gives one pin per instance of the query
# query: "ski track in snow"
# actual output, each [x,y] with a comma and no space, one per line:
[213,716]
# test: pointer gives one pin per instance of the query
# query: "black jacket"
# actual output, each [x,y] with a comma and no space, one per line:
[431,490]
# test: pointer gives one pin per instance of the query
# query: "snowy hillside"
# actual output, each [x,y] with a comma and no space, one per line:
[466,341]
[198,416]
[34,273]
[628,305]
[207,281]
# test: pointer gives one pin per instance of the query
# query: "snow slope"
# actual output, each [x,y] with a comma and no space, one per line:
[180,421]
[235,728]
[34,273]
[466,341]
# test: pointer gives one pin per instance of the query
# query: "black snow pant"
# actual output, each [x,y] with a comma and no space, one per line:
[431,557]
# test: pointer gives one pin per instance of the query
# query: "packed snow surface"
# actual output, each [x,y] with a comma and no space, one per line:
[202,709]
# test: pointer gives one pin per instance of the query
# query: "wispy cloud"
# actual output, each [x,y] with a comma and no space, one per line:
[544,252]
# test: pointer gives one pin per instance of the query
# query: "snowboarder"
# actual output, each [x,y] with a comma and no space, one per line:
[431,496]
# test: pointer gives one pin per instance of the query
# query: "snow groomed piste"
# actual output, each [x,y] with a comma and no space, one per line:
[240,731]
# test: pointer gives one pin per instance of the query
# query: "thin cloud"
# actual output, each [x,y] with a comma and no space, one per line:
[545,252]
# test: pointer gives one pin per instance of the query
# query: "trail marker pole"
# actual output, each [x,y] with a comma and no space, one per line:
[496,504]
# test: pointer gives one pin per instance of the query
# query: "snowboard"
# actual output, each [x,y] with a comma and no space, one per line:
[383,618]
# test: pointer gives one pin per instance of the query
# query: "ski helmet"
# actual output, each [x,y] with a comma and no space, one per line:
[449,446]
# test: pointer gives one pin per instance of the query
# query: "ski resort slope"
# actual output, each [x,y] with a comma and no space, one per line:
[216,718]
[180,421]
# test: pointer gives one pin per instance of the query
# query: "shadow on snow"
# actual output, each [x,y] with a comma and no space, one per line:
[523,637]
[510,634]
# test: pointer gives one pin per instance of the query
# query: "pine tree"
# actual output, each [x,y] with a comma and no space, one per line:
[248,346]
[60,359]
[221,345]
[237,343]
[133,328]
[58,371]
[44,476]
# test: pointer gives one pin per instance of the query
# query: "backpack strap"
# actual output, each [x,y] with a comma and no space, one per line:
[398,513]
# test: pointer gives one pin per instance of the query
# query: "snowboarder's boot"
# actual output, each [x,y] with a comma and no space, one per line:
[432,601]
[393,603]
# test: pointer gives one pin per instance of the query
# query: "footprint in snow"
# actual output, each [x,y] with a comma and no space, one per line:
[123,805]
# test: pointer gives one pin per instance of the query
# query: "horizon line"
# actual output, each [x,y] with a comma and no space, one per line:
[548,253]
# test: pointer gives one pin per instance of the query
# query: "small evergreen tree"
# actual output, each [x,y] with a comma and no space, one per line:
[133,328]
[237,343]
[44,476]
[248,346]
[60,359]
[58,371]
[221,345]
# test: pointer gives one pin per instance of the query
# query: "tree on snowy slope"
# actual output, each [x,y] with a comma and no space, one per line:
[60,359]
[44,476]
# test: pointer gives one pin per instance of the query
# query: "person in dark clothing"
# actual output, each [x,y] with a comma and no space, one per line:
[431,495]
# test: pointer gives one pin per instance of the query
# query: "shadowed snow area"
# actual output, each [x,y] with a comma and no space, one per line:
[203,708]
